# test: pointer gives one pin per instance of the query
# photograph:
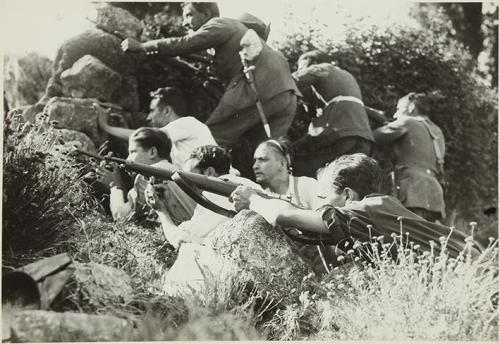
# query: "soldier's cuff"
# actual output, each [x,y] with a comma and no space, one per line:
[151,47]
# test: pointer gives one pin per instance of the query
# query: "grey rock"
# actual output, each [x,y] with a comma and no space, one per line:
[260,252]
[106,48]
[90,78]
[76,114]
[95,286]
[112,19]
[73,138]
[46,326]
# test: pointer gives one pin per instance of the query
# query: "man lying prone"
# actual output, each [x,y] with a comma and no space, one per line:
[354,209]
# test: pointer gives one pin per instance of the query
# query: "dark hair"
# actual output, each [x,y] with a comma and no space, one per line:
[210,8]
[315,57]
[284,147]
[421,101]
[171,96]
[212,156]
[356,171]
[151,137]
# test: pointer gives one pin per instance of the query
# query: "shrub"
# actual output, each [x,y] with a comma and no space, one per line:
[43,192]
[393,62]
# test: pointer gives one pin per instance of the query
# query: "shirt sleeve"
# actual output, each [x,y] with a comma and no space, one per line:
[210,35]
[177,130]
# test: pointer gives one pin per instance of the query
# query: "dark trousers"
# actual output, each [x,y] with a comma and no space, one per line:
[308,160]
[243,132]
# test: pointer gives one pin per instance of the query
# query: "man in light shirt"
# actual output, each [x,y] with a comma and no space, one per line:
[168,112]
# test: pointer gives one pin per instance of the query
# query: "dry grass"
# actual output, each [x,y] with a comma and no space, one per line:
[417,296]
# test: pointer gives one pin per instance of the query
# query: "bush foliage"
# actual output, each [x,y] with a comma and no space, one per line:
[391,63]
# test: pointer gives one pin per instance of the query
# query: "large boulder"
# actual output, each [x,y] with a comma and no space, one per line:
[106,48]
[46,326]
[95,286]
[78,114]
[111,19]
[260,252]
[73,138]
[90,78]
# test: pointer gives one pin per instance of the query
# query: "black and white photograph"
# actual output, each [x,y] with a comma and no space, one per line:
[281,170]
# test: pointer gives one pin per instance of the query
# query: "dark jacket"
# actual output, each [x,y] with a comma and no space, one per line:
[382,213]
[272,73]
[339,119]
[415,161]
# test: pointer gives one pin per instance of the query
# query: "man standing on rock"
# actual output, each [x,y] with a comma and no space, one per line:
[341,125]
[418,149]
[236,112]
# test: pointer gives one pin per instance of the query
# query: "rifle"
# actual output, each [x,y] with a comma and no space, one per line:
[190,183]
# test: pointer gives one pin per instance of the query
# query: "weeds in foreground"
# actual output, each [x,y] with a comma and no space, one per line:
[43,194]
[416,296]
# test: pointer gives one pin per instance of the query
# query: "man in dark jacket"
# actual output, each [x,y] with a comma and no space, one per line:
[341,125]
[418,150]
[236,112]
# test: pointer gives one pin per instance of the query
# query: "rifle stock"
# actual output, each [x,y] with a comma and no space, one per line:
[207,183]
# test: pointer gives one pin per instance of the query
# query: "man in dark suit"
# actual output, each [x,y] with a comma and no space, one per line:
[341,125]
[236,112]
[418,150]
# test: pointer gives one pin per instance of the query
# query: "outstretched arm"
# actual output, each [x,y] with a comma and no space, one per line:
[210,35]
[278,211]
[117,132]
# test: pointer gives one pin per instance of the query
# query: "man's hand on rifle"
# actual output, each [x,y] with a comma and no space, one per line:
[241,197]
[132,45]
[156,195]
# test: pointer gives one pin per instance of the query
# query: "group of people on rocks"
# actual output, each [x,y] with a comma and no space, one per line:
[330,183]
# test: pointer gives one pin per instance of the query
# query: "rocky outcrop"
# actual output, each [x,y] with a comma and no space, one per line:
[76,114]
[94,286]
[260,252]
[111,19]
[106,48]
[73,138]
[90,78]
[46,326]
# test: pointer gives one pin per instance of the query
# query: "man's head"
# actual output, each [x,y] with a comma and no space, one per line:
[195,14]
[167,105]
[272,159]
[209,160]
[413,104]
[349,178]
[311,58]
[148,146]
